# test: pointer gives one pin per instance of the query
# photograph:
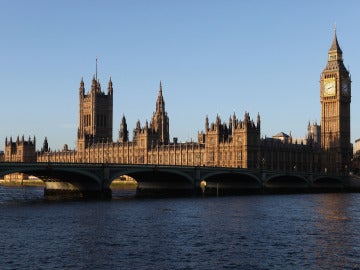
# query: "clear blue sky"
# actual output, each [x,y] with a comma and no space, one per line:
[213,57]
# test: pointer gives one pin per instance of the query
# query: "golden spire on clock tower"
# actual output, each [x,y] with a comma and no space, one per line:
[335,44]
[335,52]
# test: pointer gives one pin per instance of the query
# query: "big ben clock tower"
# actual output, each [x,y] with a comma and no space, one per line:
[335,98]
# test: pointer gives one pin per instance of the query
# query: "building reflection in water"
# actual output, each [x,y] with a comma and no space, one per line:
[335,233]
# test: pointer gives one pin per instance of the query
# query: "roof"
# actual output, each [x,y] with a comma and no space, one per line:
[281,134]
[335,45]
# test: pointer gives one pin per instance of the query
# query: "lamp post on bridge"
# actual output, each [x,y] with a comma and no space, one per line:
[345,169]
[263,167]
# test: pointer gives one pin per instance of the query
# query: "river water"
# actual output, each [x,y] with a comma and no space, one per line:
[302,231]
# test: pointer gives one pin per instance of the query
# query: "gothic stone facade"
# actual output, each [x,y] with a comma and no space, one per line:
[233,144]
[20,151]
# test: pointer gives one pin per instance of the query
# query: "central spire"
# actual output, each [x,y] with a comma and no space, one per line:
[160,89]
[160,120]
[335,52]
[96,68]
[160,104]
[335,44]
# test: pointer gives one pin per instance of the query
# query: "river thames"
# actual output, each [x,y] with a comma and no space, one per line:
[302,231]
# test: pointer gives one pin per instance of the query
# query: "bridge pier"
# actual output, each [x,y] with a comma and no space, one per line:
[63,190]
[219,189]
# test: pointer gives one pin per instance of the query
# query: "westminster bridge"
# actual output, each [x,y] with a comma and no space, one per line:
[93,180]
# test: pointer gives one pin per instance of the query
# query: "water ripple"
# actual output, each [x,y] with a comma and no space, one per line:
[318,231]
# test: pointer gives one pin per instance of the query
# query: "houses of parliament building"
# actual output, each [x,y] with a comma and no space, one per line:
[235,143]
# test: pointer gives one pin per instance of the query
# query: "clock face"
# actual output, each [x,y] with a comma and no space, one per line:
[345,88]
[329,88]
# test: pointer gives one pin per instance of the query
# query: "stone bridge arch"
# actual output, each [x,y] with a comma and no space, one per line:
[286,182]
[327,182]
[230,182]
[157,180]
[79,182]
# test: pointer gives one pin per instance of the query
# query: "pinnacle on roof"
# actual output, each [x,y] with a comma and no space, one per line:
[160,89]
[335,44]
[160,104]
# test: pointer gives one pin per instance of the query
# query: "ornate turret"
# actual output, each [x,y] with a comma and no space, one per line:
[160,104]
[246,118]
[82,87]
[234,121]
[138,125]
[218,122]
[160,120]
[45,147]
[110,87]
[123,133]
[136,131]
[93,85]
[206,124]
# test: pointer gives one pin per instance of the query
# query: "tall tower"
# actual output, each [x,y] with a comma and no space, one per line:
[95,114]
[123,133]
[160,119]
[335,98]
